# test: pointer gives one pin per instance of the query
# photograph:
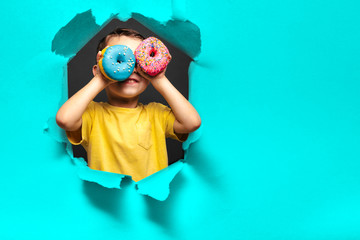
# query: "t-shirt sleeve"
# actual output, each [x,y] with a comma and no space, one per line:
[167,118]
[82,135]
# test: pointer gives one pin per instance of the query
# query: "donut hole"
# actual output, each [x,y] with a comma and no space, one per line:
[152,53]
[119,61]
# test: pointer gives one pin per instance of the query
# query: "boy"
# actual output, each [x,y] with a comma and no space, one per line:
[123,135]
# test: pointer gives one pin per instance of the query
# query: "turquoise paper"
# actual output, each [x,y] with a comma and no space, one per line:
[277,86]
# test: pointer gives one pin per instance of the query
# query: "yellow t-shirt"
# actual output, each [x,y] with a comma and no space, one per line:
[128,141]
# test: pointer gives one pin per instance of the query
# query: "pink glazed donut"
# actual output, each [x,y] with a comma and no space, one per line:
[152,56]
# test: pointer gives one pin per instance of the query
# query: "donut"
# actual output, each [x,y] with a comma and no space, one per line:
[152,56]
[118,62]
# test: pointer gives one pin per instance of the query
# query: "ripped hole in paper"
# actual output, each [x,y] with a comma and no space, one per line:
[79,73]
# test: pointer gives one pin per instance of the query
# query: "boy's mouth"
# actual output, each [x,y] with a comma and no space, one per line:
[131,81]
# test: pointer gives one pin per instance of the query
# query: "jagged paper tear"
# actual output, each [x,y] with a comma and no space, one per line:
[80,30]
[74,35]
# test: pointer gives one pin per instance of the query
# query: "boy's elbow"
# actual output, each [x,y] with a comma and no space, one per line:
[61,121]
[196,123]
[190,126]
[66,124]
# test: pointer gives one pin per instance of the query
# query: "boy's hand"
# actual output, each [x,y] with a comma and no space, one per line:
[153,79]
[99,74]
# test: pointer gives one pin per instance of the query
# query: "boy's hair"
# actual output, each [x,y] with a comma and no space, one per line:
[117,33]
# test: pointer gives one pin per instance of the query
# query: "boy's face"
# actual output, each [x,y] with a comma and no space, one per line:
[135,84]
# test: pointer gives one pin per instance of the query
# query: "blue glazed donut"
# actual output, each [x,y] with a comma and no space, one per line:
[118,62]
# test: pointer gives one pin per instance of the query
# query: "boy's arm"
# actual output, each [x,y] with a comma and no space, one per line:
[69,116]
[187,118]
